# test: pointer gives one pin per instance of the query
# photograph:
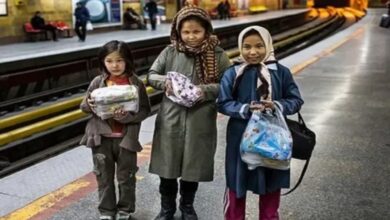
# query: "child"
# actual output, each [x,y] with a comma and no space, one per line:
[242,87]
[114,142]
[184,141]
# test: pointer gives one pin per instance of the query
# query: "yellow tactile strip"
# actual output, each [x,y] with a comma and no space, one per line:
[51,203]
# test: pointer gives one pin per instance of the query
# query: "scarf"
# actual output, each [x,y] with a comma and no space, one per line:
[206,67]
[264,73]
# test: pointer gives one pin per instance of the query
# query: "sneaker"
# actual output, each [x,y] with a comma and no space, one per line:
[106,217]
[122,215]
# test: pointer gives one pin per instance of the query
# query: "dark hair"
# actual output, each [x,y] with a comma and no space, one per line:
[124,51]
[37,12]
[249,33]
[205,24]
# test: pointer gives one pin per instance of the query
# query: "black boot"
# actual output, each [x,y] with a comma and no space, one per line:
[168,191]
[168,207]
[187,192]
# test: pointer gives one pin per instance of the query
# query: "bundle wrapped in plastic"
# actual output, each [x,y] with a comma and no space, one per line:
[111,98]
[107,111]
[254,160]
[185,92]
[115,94]
[268,136]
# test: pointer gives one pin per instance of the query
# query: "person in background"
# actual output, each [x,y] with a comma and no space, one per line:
[258,83]
[82,17]
[223,9]
[185,139]
[151,8]
[284,4]
[388,7]
[38,22]
[130,18]
[114,142]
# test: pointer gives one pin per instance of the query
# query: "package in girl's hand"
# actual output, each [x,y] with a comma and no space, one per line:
[114,94]
[105,111]
[185,92]
[254,160]
[267,134]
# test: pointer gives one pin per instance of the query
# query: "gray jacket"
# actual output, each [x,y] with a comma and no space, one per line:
[96,126]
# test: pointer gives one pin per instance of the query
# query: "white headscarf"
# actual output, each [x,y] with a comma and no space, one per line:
[269,55]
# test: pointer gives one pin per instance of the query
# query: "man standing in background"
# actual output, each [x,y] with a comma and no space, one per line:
[151,8]
[82,17]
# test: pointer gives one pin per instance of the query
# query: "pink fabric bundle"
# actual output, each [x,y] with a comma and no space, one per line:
[185,92]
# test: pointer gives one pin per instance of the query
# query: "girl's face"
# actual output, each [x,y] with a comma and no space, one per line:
[192,33]
[253,49]
[115,64]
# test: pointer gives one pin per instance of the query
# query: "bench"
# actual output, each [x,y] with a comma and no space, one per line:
[32,32]
[213,13]
[62,27]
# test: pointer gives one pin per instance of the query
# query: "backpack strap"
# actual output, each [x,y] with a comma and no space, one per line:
[299,180]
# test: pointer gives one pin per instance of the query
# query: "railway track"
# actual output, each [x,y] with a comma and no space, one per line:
[53,127]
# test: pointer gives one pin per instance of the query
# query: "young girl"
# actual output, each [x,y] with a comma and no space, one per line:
[258,78]
[114,142]
[185,139]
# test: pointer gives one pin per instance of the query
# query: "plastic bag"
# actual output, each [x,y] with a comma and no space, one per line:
[267,134]
[114,94]
[185,92]
[89,26]
[107,111]
[254,160]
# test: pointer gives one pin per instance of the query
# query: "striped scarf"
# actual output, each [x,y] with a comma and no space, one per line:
[206,67]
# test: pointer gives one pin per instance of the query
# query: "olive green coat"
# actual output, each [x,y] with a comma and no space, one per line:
[185,139]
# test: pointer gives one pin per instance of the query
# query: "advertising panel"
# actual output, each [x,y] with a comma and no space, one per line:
[102,11]
[3,8]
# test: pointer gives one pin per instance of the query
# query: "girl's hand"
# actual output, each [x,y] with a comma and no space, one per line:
[168,87]
[200,93]
[268,104]
[91,103]
[262,105]
[256,106]
[119,113]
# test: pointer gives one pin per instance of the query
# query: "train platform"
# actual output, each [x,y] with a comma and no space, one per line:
[344,81]
[29,50]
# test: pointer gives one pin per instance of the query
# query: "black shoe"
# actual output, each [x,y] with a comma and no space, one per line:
[164,215]
[187,211]
[168,207]
[187,205]
[121,215]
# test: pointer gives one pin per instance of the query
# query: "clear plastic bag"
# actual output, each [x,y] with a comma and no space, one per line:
[267,134]
[185,92]
[254,160]
[107,111]
[114,94]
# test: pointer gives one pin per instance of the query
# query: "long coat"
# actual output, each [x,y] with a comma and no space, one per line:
[285,93]
[185,139]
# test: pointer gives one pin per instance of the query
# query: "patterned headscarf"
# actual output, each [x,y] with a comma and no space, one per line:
[206,66]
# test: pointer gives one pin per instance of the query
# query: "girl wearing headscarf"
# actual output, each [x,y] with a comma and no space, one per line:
[185,139]
[259,82]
